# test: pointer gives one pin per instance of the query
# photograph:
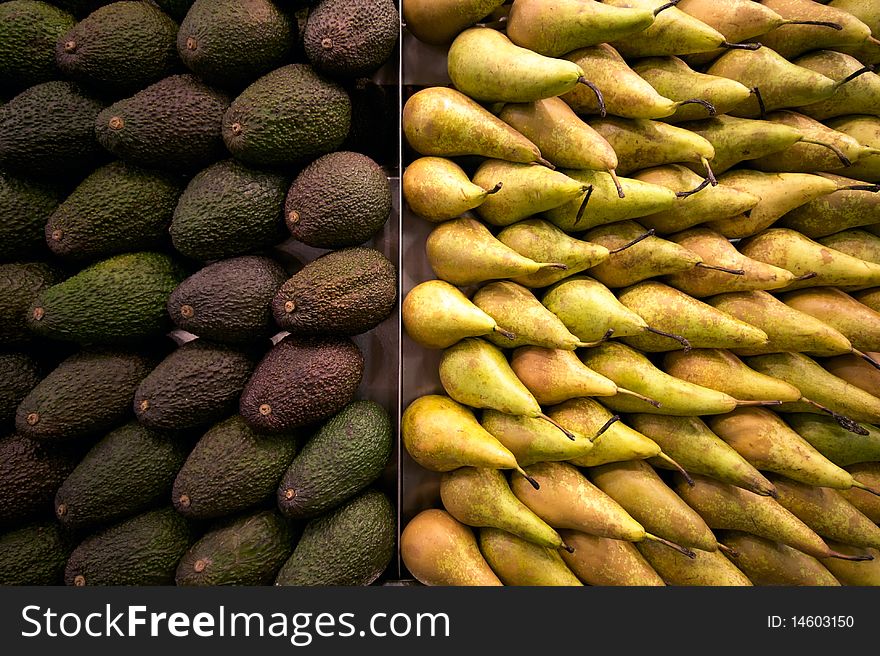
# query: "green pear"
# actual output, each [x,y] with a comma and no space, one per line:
[840,446]
[605,204]
[464,252]
[526,190]
[437,549]
[858,96]
[519,562]
[856,370]
[854,204]
[697,202]
[605,561]
[643,494]
[867,52]
[437,315]
[558,27]
[438,22]
[709,568]
[766,562]
[438,189]
[858,243]
[481,497]
[866,11]
[791,41]
[446,123]
[534,440]
[867,503]
[865,130]
[866,572]
[544,242]
[858,322]
[869,297]
[715,250]
[675,312]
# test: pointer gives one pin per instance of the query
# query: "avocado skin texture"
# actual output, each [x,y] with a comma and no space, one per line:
[350,38]
[345,292]
[231,469]
[351,545]
[197,384]
[287,116]
[25,206]
[229,301]
[33,555]
[347,454]
[173,124]
[120,300]
[88,393]
[98,51]
[49,130]
[19,374]
[119,208]
[246,551]
[229,43]
[30,474]
[20,283]
[229,209]
[28,31]
[300,381]
[129,470]
[143,550]
[340,199]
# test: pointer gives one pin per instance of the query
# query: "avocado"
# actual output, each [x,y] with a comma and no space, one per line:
[49,130]
[173,124]
[347,454]
[117,209]
[143,550]
[229,209]
[20,283]
[231,469]
[351,545]
[246,551]
[19,374]
[351,38]
[197,384]
[300,381]
[98,51]
[25,206]
[345,292]
[340,199]
[88,393]
[229,301]
[230,43]
[33,555]
[114,301]
[28,31]
[287,116]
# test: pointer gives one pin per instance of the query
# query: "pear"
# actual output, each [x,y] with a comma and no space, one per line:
[778,192]
[562,136]
[464,252]
[791,41]
[438,22]
[677,313]
[446,123]
[854,204]
[865,573]
[553,28]
[674,79]
[858,243]
[858,322]
[865,130]
[867,503]
[437,549]
[709,568]
[697,202]
[801,255]
[715,250]
[865,10]
[544,242]
[437,315]
[605,204]
[526,190]
[438,189]
[520,562]
[772,563]
[869,297]
[855,370]
[643,494]
[605,561]
[442,435]
[840,446]
[696,448]
[867,52]
[860,95]
[534,440]
[642,143]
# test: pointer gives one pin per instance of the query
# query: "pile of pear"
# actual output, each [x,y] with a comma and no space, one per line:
[656,245]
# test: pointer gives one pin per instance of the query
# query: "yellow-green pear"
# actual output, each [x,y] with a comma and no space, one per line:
[866,11]
[608,562]
[858,322]
[869,297]
[865,130]
[868,503]
[709,568]
[438,189]
[534,440]
[437,22]
[840,446]
[867,52]
[853,205]
[858,243]
[793,40]
[865,572]
[766,562]
[860,95]
[519,562]
[855,369]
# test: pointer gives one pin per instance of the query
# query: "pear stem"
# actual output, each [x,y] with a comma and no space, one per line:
[567,548]
[600,99]
[709,174]
[531,480]
[616,182]
[605,338]
[857,558]
[697,101]
[580,214]
[834,149]
[672,3]
[729,551]
[681,470]
[844,422]
[505,333]
[678,338]
[806,276]
[567,432]
[608,424]
[669,543]
[495,189]
[621,390]
[630,244]
[544,162]
[740,46]
[866,488]
[712,267]
[873,188]
[852,76]
[684,194]
[833,26]
[867,358]
[745,404]
[761,106]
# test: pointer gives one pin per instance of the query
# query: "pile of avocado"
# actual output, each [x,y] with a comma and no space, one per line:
[181,402]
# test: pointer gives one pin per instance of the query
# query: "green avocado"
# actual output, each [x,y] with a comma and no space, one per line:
[28,32]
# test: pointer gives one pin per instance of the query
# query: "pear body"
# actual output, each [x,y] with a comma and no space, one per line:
[737,20]
[673,32]
[855,370]
[865,130]
[854,573]
[534,440]
[858,243]
[520,562]
[438,22]
[867,473]
[793,40]
[556,375]
[766,562]
[839,445]
[866,11]
[437,189]
[605,561]
[837,212]
[709,568]
[858,322]
[869,297]
[858,96]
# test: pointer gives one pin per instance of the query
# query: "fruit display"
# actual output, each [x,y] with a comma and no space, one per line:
[642,340]
[198,292]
